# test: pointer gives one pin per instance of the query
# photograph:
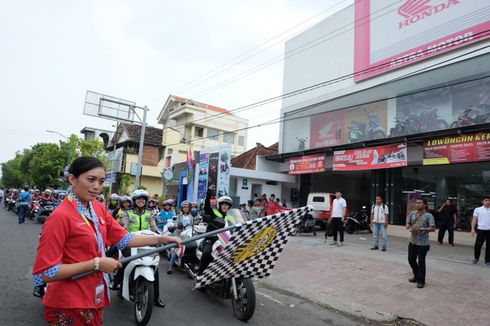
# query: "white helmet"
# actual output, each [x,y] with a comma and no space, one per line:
[185,203]
[139,193]
[123,199]
[225,200]
[114,197]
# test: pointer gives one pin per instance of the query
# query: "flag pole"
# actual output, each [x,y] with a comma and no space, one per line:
[163,248]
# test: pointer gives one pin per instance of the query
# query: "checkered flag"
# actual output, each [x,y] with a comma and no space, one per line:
[254,248]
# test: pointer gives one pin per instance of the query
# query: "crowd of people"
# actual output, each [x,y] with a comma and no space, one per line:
[262,206]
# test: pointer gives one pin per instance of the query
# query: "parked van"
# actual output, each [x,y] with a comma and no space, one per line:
[322,203]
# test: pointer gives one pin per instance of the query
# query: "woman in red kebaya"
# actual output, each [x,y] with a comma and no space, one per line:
[73,241]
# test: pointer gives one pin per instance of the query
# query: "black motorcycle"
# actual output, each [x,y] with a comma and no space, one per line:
[47,207]
[359,221]
[306,225]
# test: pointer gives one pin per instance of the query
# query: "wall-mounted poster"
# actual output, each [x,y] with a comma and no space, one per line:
[327,129]
[457,149]
[379,157]
[366,122]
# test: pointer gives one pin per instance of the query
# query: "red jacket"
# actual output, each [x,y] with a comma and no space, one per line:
[67,239]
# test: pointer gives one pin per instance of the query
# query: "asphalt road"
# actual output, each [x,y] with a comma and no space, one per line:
[184,307]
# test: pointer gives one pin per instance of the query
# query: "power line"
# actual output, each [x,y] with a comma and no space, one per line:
[292,52]
[217,71]
[281,120]
[311,87]
[280,58]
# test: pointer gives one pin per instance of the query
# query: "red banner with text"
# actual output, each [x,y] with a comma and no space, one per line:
[380,157]
[307,164]
[458,149]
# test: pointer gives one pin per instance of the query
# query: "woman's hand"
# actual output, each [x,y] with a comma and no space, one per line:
[108,265]
[168,239]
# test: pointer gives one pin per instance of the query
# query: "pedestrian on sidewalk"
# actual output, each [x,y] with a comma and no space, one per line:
[379,221]
[480,225]
[419,223]
[24,199]
[339,207]
[449,215]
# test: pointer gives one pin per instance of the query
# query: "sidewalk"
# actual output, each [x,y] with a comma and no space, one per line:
[374,284]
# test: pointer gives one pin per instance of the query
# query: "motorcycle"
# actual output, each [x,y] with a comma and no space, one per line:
[240,290]
[306,225]
[11,203]
[470,116]
[358,132]
[47,207]
[358,222]
[137,282]
[34,209]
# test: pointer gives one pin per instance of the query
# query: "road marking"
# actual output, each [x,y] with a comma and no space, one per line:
[270,298]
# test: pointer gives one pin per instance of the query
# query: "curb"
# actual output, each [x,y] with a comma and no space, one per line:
[336,304]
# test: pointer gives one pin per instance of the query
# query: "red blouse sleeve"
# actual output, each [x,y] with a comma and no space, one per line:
[115,232]
[52,241]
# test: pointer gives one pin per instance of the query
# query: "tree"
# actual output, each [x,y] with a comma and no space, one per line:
[124,182]
[11,173]
[46,164]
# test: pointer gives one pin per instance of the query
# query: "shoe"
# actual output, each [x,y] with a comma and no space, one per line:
[487,264]
[420,285]
[334,243]
[374,248]
[159,303]
[384,249]
[412,280]
[474,261]
[452,244]
[341,244]
[439,243]
[169,272]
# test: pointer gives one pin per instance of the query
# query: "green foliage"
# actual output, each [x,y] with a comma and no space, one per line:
[124,182]
[41,165]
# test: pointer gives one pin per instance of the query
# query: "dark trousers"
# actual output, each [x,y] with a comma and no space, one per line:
[22,211]
[338,226]
[417,252]
[449,226]
[481,237]
[206,257]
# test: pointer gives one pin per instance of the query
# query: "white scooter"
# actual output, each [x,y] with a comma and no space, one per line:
[137,283]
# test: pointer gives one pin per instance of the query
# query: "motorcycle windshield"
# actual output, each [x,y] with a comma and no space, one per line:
[239,219]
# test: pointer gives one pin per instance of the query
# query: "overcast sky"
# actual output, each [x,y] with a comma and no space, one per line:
[53,51]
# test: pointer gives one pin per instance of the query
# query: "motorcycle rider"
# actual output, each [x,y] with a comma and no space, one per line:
[100,198]
[36,196]
[153,207]
[184,219]
[61,196]
[216,219]
[121,215]
[46,196]
[165,214]
[139,218]
[112,205]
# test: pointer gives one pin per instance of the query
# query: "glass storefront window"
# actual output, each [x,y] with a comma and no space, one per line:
[465,184]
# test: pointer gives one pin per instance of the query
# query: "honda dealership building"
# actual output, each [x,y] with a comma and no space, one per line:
[394,100]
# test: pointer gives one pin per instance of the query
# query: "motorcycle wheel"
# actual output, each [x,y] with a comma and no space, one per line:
[294,232]
[42,219]
[441,125]
[349,228]
[143,301]
[455,124]
[244,305]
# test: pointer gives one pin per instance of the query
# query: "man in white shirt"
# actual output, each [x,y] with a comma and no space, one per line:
[379,220]
[480,225]
[339,207]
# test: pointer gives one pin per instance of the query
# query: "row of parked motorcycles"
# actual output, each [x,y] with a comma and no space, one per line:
[46,207]
[359,221]
[137,282]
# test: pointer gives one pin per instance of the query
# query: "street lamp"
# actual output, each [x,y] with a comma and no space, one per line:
[68,141]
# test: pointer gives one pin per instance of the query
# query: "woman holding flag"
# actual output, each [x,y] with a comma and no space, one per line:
[73,241]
